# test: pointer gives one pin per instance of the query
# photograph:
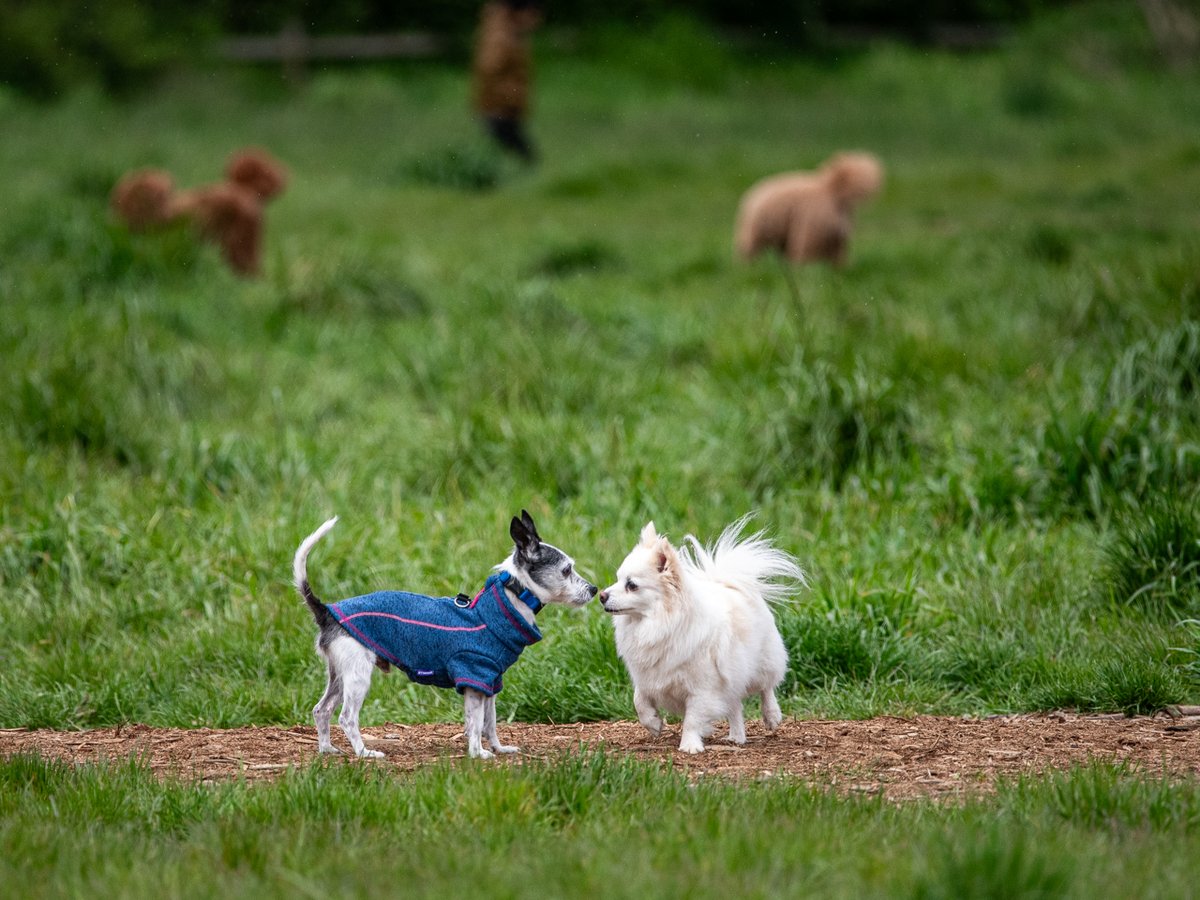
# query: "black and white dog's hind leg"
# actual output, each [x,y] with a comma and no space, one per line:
[354,665]
[323,711]
[348,664]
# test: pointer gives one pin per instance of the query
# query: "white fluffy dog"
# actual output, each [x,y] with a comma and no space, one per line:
[695,631]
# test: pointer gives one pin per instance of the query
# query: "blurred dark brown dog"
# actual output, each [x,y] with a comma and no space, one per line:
[807,215]
[228,213]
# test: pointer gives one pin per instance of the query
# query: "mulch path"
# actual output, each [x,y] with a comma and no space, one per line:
[920,756]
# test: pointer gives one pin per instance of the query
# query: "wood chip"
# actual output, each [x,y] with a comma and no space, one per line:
[924,756]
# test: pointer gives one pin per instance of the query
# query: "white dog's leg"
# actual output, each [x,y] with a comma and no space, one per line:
[771,713]
[737,724]
[489,727]
[647,713]
[698,721]
[475,711]
[323,711]
[355,666]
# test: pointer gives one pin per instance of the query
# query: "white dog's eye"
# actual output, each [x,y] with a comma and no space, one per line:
[630,585]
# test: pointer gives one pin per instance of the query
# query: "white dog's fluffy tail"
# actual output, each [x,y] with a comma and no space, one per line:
[300,573]
[751,564]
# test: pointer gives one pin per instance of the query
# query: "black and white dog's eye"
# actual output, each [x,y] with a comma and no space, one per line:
[630,586]
[567,570]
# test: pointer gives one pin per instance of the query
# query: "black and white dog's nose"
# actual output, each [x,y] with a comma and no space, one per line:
[593,589]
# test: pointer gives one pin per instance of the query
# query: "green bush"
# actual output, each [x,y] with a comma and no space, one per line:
[992,863]
[1153,561]
[587,256]
[825,425]
[47,46]
[466,168]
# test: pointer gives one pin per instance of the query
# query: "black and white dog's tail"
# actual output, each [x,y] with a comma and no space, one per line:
[323,616]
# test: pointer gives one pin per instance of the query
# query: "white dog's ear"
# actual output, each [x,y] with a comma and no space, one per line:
[666,561]
[649,535]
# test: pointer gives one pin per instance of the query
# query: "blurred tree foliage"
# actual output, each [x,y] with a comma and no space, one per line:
[789,17]
[49,45]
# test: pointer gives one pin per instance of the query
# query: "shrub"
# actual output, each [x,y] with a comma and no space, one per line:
[994,863]
[466,168]
[73,402]
[1160,375]
[1191,654]
[1133,679]
[1050,244]
[580,256]
[1029,93]
[856,638]
[48,46]
[1154,561]
[826,425]
[1135,435]
[346,288]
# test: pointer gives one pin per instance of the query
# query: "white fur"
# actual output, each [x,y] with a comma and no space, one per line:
[349,665]
[695,631]
[300,560]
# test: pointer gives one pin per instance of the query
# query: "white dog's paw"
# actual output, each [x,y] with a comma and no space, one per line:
[738,739]
[481,754]
[691,745]
[505,748]
[365,753]
[772,719]
[329,748]
[652,724]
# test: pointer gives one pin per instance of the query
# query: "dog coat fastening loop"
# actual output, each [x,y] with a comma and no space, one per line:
[438,640]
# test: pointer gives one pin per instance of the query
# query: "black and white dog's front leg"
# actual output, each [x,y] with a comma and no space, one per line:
[475,713]
[480,715]
[489,727]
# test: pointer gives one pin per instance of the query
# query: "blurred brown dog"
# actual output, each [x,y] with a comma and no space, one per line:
[807,215]
[228,213]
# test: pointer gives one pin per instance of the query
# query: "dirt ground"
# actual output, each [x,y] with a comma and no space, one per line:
[902,757]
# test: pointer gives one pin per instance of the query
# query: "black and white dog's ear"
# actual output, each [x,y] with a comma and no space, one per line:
[527,519]
[524,534]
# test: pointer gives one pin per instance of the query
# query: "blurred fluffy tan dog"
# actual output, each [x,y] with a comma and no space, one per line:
[807,215]
[228,213]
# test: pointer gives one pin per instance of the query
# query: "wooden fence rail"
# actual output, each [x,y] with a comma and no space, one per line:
[294,49]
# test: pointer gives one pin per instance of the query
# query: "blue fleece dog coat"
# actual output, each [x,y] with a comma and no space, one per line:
[443,641]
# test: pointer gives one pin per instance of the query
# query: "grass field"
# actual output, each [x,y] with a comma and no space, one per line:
[982,439]
[591,825]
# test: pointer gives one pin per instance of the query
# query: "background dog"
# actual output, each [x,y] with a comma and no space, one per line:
[228,213]
[807,215]
[456,642]
[695,630]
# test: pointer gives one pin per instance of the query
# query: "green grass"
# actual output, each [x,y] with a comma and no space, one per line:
[585,824]
[967,436]
[981,439]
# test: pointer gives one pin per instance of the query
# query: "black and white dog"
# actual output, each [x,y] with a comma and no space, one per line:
[460,642]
